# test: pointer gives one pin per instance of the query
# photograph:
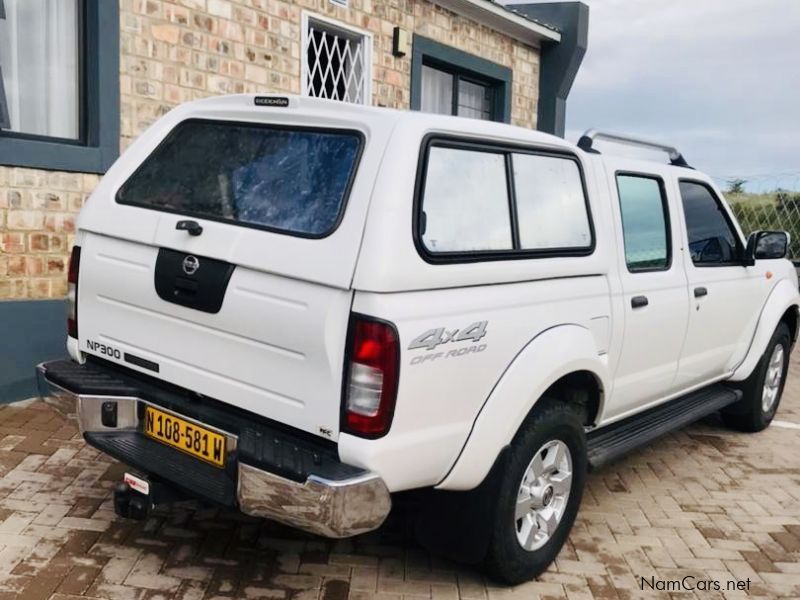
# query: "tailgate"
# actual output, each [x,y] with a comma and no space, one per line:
[275,347]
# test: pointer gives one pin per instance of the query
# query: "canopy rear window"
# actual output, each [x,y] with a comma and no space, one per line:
[290,180]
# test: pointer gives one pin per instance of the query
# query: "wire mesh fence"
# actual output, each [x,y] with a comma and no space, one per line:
[766,201]
[776,210]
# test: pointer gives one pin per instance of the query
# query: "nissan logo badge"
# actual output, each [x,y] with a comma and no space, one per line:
[190,265]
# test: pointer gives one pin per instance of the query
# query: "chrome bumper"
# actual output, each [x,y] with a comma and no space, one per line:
[331,508]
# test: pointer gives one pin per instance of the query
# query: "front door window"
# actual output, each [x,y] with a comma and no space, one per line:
[712,239]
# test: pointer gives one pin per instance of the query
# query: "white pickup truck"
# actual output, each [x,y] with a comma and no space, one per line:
[300,308]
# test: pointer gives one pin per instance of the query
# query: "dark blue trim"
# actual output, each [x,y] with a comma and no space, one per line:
[559,61]
[100,111]
[427,51]
[34,331]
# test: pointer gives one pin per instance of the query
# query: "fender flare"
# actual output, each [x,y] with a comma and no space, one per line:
[554,353]
[782,297]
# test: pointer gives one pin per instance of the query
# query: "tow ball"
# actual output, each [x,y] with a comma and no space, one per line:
[129,503]
[136,496]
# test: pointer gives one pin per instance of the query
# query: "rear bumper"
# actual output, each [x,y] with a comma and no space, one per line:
[269,471]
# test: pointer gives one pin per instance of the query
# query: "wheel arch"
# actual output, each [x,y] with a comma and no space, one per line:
[564,360]
[582,388]
[792,318]
[781,306]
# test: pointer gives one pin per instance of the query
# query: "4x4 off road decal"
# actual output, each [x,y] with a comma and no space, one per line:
[433,338]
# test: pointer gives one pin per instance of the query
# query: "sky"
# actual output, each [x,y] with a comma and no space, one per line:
[719,79]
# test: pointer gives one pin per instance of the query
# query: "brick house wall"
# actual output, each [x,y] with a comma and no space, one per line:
[38,210]
[174,51]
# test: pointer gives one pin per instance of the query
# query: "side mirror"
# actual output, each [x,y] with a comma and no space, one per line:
[765,245]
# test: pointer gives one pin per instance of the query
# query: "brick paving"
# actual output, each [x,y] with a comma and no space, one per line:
[703,502]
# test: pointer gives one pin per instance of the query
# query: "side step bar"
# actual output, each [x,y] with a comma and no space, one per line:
[610,443]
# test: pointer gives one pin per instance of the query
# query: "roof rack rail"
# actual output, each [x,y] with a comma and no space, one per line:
[587,140]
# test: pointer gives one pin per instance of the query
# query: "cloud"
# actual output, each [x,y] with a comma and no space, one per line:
[719,79]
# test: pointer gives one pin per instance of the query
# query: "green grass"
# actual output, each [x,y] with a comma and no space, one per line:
[751,199]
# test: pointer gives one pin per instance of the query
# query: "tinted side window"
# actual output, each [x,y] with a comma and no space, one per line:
[645,225]
[551,207]
[711,238]
[465,202]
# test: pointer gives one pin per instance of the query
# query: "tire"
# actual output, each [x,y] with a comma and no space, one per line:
[761,392]
[550,431]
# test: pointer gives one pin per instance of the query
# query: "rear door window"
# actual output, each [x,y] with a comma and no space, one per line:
[645,222]
[290,180]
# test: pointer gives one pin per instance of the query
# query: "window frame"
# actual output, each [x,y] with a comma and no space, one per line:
[667,220]
[83,55]
[458,76]
[306,17]
[461,64]
[362,140]
[740,245]
[99,96]
[460,142]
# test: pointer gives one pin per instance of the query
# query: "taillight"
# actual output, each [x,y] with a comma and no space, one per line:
[72,292]
[372,374]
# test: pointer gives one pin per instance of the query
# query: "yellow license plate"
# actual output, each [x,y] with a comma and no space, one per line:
[190,438]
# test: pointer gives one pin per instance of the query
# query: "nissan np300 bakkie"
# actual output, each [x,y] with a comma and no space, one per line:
[299,308]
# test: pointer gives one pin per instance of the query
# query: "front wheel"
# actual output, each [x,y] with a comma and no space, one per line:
[762,391]
[539,494]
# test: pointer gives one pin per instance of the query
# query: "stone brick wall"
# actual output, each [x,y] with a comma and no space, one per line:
[37,226]
[173,51]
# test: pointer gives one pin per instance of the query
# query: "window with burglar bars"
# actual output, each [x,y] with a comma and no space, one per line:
[336,61]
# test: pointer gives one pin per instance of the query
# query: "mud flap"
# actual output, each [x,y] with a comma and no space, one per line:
[458,525]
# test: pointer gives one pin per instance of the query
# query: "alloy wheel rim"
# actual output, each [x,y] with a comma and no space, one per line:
[543,495]
[773,379]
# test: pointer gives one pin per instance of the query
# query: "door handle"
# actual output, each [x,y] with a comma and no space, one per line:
[192,227]
[639,301]
[699,292]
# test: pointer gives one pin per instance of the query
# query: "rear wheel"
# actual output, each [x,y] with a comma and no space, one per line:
[762,391]
[539,494]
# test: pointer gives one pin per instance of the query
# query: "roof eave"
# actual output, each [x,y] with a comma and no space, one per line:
[502,20]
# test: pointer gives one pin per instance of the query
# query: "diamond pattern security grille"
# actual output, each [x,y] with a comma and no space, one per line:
[336,64]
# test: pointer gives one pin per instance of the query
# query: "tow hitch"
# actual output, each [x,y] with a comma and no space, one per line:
[129,503]
[136,496]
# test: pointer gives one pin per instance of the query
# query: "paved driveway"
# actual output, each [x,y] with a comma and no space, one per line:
[703,503]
